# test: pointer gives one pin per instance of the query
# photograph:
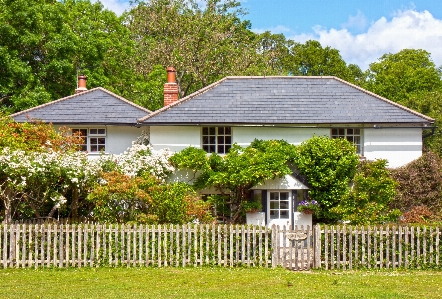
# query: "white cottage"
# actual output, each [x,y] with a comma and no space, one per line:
[240,109]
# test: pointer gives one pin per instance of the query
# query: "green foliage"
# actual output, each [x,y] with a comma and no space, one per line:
[240,169]
[311,59]
[372,192]
[420,183]
[329,165]
[397,76]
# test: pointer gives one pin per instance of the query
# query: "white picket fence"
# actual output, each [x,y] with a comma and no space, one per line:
[351,247]
[48,245]
[327,247]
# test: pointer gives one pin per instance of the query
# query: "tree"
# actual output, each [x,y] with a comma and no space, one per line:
[311,59]
[45,44]
[399,76]
[329,165]
[202,41]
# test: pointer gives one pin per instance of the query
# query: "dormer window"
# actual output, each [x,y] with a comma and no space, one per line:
[217,139]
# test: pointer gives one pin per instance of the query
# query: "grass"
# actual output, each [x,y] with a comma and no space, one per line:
[216,283]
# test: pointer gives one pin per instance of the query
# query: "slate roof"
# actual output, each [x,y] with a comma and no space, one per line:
[284,100]
[95,106]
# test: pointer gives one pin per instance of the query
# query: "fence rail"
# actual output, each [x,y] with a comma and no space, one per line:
[47,245]
[327,247]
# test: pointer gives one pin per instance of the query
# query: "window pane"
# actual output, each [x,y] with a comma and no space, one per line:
[221,149]
[283,214]
[227,148]
[273,214]
[101,140]
[206,148]
[94,148]
[212,149]
[341,132]
[101,148]
[350,138]
[205,140]
[212,139]
[334,131]
[205,130]
[357,131]
[94,141]
[274,196]
[221,130]
[101,131]
[93,131]
[220,139]
[274,205]
[211,131]
[228,140]
[350,131]
[357,139]
[284,204]
[228,130]
[284,196]
[83,148]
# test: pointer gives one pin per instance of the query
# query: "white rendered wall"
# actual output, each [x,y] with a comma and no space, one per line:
[398,145]
[245,135]
[175,138]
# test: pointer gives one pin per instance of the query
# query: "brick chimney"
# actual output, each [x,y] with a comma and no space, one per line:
[171,87]
[81,84]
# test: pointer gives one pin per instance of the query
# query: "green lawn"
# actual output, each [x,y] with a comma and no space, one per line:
[216,283]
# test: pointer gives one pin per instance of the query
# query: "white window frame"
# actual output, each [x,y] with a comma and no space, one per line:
[215,141]
[350,134]
[93,137]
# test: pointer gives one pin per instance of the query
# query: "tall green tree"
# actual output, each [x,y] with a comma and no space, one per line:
[45,44]
[311,59]
[203,40]
[399,76]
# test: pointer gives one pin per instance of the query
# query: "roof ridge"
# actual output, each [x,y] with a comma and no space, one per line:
[185,99]
[79,94]
[384,99]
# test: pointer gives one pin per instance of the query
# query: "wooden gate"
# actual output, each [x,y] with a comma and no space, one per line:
[296,248]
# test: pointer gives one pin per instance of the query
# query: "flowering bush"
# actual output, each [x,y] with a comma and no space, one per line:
[308,206]
[35,184]
[138,160]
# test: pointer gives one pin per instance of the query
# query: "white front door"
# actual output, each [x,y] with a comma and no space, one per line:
[279,208]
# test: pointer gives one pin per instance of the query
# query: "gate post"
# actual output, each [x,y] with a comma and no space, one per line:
[317,247]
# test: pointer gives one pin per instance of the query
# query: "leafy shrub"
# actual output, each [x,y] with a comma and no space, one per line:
[417,214]
[420,183]
[373,190]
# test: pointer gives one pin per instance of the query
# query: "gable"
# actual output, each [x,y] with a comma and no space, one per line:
[284,100]
[95,106]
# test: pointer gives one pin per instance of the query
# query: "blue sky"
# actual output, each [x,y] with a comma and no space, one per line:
[362,30]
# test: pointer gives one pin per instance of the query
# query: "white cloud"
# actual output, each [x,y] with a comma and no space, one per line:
[358,22]
[117,6]
[406,29]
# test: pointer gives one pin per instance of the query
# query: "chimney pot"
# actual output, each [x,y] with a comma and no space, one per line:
[171,87]
[81,84]
[171,78]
